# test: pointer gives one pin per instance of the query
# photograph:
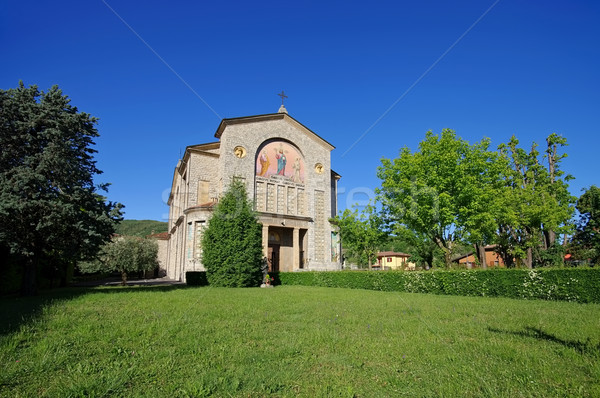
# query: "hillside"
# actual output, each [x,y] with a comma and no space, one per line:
[141,228]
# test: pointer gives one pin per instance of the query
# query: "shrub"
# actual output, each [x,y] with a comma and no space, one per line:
[196,278]
[569,284]
[232,243]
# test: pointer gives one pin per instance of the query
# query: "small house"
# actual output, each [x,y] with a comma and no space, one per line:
[492,259]
[393,261]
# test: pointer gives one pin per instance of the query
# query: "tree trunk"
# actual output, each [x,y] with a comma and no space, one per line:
[529,258]
[480,253]
[123,278]
[507,258]
[446,247]
[549,238]
[29,282]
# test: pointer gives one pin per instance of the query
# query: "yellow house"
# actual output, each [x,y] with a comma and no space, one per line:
[393,261]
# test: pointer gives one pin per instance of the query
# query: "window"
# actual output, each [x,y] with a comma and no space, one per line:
[190,239]
[198,237]
[203,192]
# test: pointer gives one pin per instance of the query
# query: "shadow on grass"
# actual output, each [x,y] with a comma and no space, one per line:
[586,348]
[17,311]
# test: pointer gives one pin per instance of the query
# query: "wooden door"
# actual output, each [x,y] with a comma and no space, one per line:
[273,258]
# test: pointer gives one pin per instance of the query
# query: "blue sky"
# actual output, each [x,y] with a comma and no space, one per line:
[483,68]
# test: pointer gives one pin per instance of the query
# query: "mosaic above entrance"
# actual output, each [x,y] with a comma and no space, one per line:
[280,158]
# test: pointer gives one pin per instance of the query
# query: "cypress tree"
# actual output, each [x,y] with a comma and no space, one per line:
[232,243]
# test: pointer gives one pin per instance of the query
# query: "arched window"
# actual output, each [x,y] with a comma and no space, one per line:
[280,158]
[280,178]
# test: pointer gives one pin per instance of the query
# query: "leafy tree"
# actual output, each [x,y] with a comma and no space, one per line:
[536,204]
[49,205]
[450,191]
[442,192]
[232,243]
[362,233]
[481,181]
[124,254]
[586,241]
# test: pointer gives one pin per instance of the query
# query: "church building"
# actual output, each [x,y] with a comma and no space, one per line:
[286,168]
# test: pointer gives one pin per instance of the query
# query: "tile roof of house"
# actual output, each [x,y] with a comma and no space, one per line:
[487,248]
[392,254]
[160,236]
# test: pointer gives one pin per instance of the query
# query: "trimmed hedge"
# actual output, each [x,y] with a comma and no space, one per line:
[196,278]
[569,284]
[199,278]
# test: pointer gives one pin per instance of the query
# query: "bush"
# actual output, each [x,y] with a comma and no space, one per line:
[232,243]
[196,278]
[569,284]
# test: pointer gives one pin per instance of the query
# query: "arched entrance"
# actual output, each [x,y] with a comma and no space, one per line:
[283,254]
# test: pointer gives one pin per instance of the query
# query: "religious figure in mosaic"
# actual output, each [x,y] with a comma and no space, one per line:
[297,168]
[271,160]
[335,247]
[281,161]
[264,163]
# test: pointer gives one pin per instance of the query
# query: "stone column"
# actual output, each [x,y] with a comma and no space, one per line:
[296,244]
[265,240]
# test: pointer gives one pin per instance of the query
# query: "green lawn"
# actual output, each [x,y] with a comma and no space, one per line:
[295,341]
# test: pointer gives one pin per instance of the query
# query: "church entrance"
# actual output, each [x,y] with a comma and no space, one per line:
[273,257]
[280,251]
[285,247]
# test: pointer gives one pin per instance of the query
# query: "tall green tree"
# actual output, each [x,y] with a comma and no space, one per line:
[232,243]
[362,233]
[586,241]
[481,182]
[442,192]
[49,204]
[124,254]
[518,197]
[536,203]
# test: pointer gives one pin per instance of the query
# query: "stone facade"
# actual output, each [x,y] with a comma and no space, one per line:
[287,172]
[162,240]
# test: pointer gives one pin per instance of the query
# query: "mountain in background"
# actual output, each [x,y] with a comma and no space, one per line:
[141,228]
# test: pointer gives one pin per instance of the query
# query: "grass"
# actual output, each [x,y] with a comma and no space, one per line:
[295,341]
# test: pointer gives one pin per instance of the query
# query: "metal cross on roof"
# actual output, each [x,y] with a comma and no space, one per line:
[283,96]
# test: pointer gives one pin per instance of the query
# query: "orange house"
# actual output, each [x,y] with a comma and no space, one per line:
[492,259]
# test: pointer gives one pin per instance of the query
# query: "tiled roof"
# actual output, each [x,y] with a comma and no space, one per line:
[160,236]
[487,248]
[392,254]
